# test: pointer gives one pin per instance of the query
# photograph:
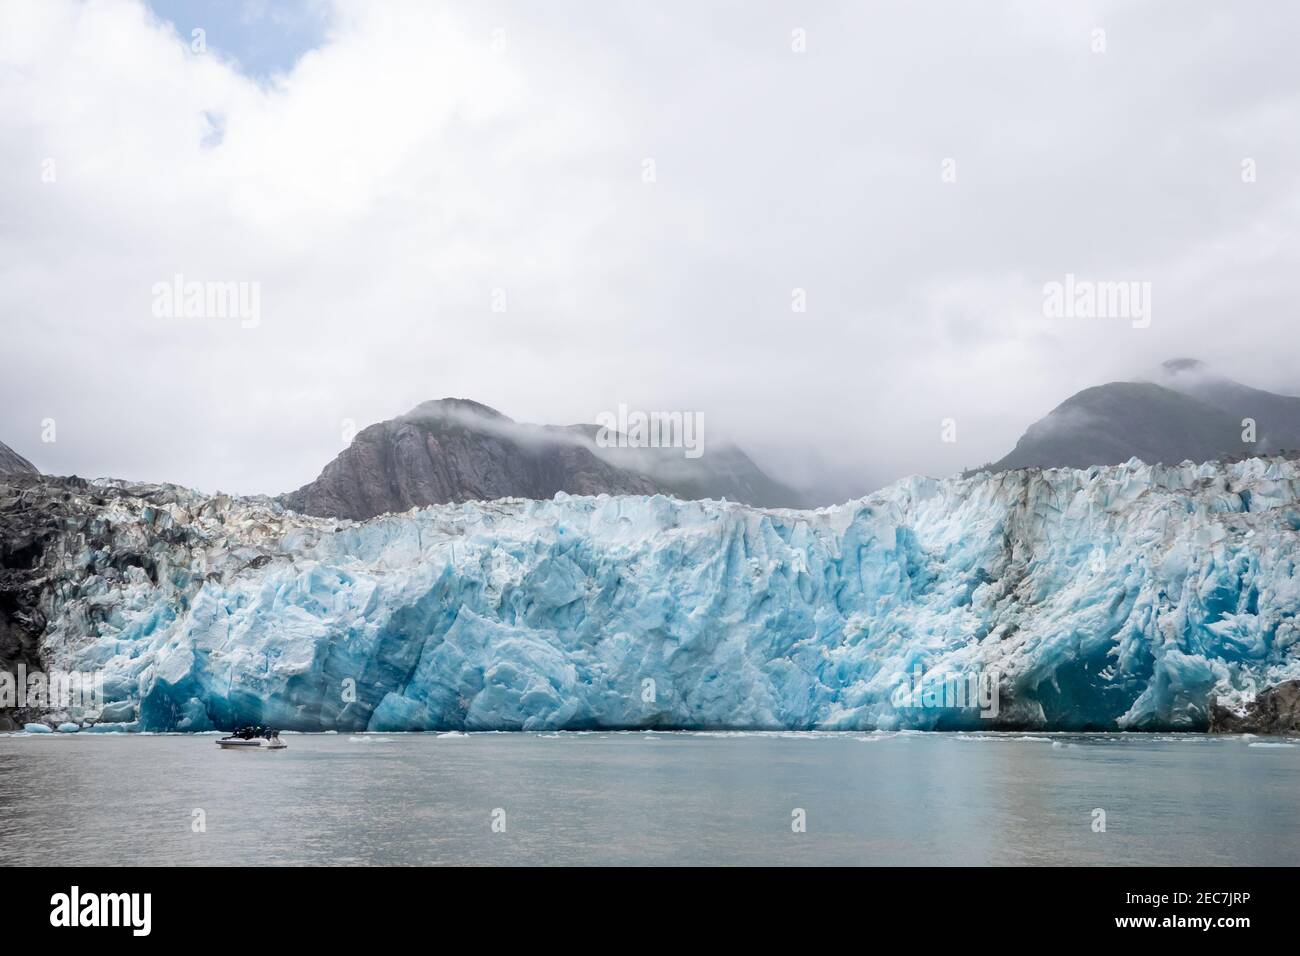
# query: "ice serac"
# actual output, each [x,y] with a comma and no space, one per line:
[1126,596]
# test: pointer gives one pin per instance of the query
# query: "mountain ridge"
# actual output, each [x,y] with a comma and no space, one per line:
[1189,414]
[11,461]
[456,450]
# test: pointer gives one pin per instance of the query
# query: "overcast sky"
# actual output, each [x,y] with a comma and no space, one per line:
[380,170]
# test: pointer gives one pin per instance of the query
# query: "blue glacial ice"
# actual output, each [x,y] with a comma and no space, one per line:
[1119,597]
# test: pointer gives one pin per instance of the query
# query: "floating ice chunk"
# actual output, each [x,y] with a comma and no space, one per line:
[112,728]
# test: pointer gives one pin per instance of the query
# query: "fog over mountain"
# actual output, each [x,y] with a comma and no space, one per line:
[456,450]
[1193,414]
[480,218]
[1276,418]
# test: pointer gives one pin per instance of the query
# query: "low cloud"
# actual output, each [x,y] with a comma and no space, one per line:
[452,200]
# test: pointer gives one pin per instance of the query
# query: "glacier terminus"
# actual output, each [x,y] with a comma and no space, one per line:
[1124,597]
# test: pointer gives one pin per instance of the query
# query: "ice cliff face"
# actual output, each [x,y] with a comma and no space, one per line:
[1126,596]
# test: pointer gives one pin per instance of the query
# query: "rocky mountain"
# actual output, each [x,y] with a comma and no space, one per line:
[12,462]
[1189,414]
[457,450]
[1123,597]
[1276,417]
[1109,424]
[724,471]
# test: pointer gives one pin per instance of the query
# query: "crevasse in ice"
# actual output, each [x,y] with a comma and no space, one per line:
[1128,596]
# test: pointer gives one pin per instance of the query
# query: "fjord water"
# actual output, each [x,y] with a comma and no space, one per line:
[651,798]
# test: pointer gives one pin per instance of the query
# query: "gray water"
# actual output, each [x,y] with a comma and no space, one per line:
[651,798]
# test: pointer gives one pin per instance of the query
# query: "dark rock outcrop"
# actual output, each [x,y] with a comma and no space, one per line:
[30,518]
[13,463]
[1275,710]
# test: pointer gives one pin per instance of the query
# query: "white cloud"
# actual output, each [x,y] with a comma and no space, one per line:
[420,159]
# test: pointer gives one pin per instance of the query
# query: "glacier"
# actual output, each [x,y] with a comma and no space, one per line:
[1121,597]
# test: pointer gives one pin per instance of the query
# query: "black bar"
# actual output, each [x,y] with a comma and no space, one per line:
[961,904]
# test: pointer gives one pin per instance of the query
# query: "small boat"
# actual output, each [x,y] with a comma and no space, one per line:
[235,743]
[252,738]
